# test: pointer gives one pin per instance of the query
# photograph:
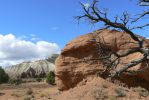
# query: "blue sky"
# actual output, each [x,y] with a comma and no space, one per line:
[35,29]
[52,20]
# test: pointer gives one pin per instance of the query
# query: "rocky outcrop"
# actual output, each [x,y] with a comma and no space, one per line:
[52,58]
[32,69]
[77,60]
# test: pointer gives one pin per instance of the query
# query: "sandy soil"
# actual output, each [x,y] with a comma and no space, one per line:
[40,91]
[96,89]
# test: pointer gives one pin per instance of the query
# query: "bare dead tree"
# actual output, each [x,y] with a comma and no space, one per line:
[144,2]
[95,15]
[145,13]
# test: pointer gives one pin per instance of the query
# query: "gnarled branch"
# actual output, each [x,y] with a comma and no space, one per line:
[110,58]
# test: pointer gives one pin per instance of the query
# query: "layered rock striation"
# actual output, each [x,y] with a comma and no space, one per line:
[78,59]
[33,69]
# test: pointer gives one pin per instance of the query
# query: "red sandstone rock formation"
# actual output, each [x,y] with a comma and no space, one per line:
[75,61]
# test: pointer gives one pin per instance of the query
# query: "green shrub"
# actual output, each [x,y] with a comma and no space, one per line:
[38,79]
[3,76]
[15,81]
[50,78]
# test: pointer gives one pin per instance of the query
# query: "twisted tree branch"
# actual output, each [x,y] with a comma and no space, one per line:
[94,15]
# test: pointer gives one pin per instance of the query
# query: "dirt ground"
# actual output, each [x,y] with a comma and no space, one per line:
[34,91]
[96,89]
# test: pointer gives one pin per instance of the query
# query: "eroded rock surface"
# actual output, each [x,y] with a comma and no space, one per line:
[32,69]
[77,60]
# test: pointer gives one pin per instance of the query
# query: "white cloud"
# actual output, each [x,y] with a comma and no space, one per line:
[33,37]
[54,28]
[14,50]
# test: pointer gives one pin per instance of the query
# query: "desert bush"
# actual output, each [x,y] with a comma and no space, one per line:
[3,76]
[27,98]
[38,79]
[29,91]
[112,97]
[15,81]
[14,94]
[51,78]
[142,91]
[105,85]
[120,92]
[42,95]
[99,94]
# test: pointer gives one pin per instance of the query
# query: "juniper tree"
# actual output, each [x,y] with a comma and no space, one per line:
[3,76]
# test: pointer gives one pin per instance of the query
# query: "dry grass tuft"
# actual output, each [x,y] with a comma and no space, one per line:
[100,94]
[120,92]
[15,95]
[142,91]
[27,98]
[29,91]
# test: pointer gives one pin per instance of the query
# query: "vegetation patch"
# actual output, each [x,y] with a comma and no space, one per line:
[29,91]
[142,91]
[15,95]
[15,81]
[27,98]
[100,94]
[38,79]
[3,76]
[120,92]
[51,78]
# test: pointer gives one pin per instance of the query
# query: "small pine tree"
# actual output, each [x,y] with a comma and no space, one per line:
[50,78]
[3,76]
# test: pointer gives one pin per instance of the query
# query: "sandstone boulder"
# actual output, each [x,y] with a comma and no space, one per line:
[76,63]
